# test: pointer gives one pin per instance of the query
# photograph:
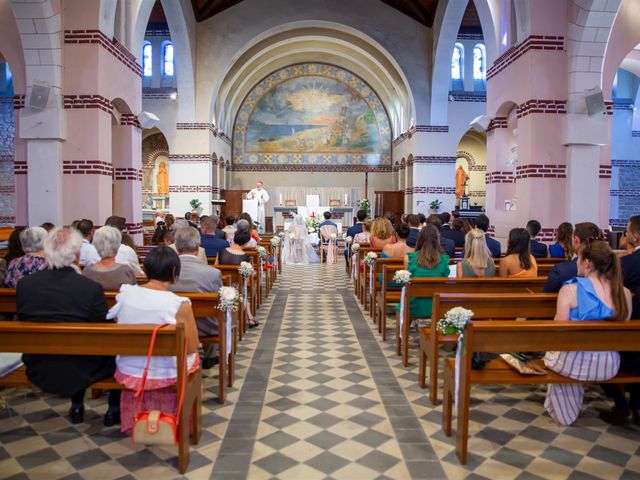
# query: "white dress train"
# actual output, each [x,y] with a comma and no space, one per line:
[297,248]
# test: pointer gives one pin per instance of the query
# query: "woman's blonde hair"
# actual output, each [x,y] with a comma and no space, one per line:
[366,225]
[476,251]
[381,228]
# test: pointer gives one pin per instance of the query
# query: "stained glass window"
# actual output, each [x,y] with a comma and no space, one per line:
[147,51]
[167,59]
[457,62]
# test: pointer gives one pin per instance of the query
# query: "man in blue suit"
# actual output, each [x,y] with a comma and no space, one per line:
[482,222]
[355,229]
[564,271]
[538,249]
[327,221]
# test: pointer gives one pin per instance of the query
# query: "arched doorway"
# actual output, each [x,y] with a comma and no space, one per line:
[471,158]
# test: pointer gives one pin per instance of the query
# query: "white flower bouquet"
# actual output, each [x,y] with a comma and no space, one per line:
[262,252]
[454,321]
[275,241]
[355,247]
[292,236]
[348,239]
[333,236]
[229,298]
[402,277]
[282,234]
[246,269]
[370,258]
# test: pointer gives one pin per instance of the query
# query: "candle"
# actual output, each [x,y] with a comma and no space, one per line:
[280,199]
[346,199]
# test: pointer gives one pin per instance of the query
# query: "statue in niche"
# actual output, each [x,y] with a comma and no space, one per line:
[461,181]
[162,179]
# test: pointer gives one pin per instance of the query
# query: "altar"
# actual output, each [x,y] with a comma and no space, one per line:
[341,216]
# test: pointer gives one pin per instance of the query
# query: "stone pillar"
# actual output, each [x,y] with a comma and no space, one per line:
[20,168]
[127,174]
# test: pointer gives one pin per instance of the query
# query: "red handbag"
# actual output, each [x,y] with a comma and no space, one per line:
[154,427]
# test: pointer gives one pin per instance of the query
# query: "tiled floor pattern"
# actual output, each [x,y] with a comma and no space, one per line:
[318,395]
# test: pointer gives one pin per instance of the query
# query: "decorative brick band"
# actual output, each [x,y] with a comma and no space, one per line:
[215,189]
[421,159]
[625,163]
[127,174]
[113,46]
[308,168]
[156,96]
[532,42]
[477,193]
[432,128]
[541,106]
[471,161]
[547,235]
[20,168]
[499,177]
[468,97]
[190,157]
[129,119]
[18,101]
[625,193]
[497,122]
[7,189]
[134,228]
[470,36]
[8,219]
[430,190]
[87,167]
[635,133]
[88,101]
[197,126]
[618,222]
[190,188]
[626,105]
[157,32]
[541,171]
[605,171]
[609,108]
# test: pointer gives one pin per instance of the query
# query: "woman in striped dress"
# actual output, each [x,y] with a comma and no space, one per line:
[596,294]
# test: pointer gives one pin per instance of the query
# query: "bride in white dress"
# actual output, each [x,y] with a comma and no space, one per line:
[297,248]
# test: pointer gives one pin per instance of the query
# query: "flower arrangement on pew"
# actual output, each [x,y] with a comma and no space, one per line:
[282,234]
[348,239]
[262,252]
[246,269]
[275,242]
[454,321]
[229,298]
[355,248]
[402,277]
[370,258]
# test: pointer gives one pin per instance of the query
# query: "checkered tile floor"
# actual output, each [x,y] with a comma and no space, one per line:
[318,395]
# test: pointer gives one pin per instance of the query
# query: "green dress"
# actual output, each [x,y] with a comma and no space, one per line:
[421,307]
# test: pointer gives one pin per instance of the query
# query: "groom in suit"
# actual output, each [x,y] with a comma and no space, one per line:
[355,229]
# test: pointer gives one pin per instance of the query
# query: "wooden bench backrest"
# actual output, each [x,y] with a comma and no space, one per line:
[381,262]
[389,270]
[89,338]
[427,287]
[497,305]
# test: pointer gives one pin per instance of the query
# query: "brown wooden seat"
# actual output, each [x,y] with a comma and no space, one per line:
[364,274]
[428,287]
[108,339]
[484,306]
[496,336]
[376,296]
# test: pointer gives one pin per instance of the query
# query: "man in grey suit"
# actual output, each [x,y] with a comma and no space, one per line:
[197,277]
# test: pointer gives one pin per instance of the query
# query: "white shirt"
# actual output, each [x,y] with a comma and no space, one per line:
[261,195]
[127,256]
[88,254]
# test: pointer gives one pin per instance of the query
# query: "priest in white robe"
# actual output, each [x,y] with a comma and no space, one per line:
[261,195]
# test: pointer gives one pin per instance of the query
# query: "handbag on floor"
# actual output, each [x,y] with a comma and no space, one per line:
[154,427]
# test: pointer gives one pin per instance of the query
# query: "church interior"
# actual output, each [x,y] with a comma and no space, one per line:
[358,141]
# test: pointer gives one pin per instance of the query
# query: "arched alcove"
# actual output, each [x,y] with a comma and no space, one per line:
[155,152]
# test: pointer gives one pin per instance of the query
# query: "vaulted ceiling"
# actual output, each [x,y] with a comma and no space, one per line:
[421,11]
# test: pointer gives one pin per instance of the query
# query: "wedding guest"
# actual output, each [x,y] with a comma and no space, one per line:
[354,230]
[169,221]
[170,240]
[365,235]
[538,249]
[60,294]
[446,244]
[446,218]
[235,254]
[32,241]
[381,233]
[477,261]
[596,294]
[253,229]
[126,252]
[400,248]
[153,303]
[107,272]
[482,222]
[48,226]
[518,262]
[88,254]
[428,260]
[414,225]
[455,233]
[14,245]
[562,248]
[561,272]
[196,277]
[230,228]
[159,233]
[244,226]
[211,242]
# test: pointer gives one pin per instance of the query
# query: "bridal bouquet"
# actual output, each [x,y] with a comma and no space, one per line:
[229,298]
[402,277]
[355,247]
[246,269]
[370,258]
[275,241]
[262,252]
[348,239]
[282,234]
[454,321]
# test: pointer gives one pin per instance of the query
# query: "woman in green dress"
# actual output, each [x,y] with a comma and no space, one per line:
[427,261]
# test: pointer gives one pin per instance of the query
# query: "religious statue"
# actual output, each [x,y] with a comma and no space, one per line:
[162,179]
[461,181]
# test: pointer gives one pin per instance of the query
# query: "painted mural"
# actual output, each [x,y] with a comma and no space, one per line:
[312,114]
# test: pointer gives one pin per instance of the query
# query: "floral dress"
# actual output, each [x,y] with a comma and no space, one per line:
[21,267]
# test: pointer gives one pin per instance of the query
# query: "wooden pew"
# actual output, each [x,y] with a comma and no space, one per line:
[374,294]
[484,306]
[202,304]
[359,257]
[496,336]
[363,274]
[428,287]
[236,281]
[388,295]
[108,339]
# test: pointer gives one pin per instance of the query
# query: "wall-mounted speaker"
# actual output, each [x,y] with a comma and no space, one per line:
[595,101]
[148,119]
[480,123]
[39,97]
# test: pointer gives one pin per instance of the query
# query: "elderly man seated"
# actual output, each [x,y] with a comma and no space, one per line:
[60,294]
[180,224]
[197,277]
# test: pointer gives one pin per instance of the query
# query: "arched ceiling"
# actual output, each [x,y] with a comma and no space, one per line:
[421,11]
[324,44]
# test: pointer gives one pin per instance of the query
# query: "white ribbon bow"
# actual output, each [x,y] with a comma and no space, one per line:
[402,307]
[229,332]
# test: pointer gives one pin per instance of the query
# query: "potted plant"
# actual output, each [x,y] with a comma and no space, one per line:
[365,205]
[435,206]
[196,206]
